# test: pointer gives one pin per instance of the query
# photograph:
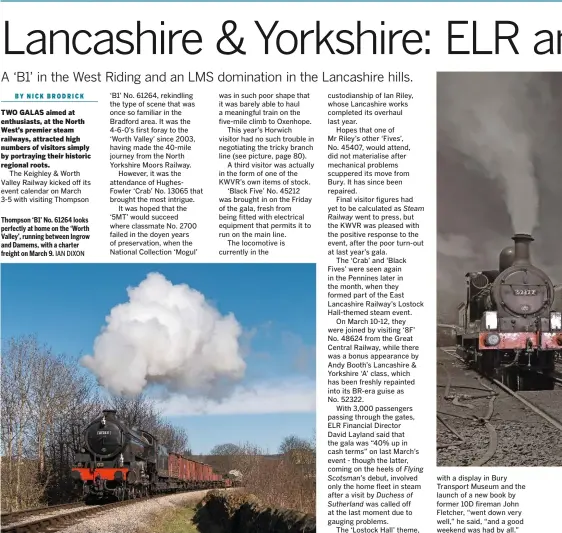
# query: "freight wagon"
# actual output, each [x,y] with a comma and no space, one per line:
[121,462]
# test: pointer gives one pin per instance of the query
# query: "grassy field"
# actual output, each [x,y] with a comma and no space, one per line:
[175,520]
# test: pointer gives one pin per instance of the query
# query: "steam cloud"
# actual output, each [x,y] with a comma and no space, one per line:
[171,336]
[489,117]
[484,119]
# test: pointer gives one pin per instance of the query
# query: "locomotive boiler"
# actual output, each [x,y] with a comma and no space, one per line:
[116,461]
[510,325]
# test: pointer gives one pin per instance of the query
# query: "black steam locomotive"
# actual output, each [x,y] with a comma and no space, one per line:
[510,326]
[120,462]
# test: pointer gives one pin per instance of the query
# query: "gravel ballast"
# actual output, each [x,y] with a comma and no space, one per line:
[129,518]
[523,437]
[46,513]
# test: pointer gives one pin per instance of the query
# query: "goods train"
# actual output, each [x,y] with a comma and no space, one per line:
[120,462]
[510,325]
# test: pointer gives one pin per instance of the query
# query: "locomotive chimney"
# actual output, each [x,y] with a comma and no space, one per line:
[109,413]
[522,254]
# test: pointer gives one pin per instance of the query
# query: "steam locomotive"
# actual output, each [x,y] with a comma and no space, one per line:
[510,326]
[119,462]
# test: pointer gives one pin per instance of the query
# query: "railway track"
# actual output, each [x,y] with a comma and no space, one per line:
[54,522]
[460,400]
[535,408]
[17,516]
[482,421]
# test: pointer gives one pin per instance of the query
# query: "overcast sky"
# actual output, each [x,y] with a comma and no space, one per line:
[499,170]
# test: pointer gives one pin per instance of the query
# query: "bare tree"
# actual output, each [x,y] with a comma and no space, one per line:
[174,438]
[226,449]
[46,403]
[136,411]
[20,484]
[224,457]
[140,411]
[287,480]
[293,443]
[52,389]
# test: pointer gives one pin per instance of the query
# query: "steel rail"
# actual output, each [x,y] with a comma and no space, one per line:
[13,516]
[55,522]
[537,410]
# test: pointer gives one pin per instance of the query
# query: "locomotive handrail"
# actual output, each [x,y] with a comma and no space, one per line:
[452,326]
[151,437]
[487,287]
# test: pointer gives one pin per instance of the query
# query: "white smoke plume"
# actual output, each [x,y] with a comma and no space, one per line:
[470,203]
[171,336]
[490,118]
[455,246]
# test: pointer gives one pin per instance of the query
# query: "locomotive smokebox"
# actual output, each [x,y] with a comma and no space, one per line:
[522,255]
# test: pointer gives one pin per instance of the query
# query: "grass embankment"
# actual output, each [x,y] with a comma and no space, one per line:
[174,520]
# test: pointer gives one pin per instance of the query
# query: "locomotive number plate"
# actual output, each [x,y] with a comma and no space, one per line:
[525,292]
[99,465]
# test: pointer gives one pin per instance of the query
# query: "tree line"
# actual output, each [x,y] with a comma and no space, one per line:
[46,402]
[284,480]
